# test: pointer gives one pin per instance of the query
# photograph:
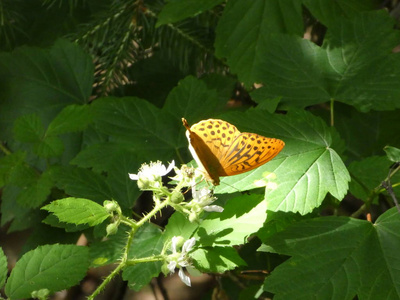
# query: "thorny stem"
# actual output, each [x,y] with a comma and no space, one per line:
[124,261]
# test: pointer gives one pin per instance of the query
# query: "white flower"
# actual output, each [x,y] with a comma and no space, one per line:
[204,197]
[149,175]
[180,259]
[185,176]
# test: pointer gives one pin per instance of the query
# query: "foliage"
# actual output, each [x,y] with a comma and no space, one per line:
[96,88]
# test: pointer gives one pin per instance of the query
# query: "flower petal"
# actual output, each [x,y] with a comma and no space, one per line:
[185,279]
[213,208]
[188,245]
[170,167]
[171,266]
[134,176]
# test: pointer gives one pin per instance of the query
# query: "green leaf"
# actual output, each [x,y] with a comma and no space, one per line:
[109,251]
[36,193]
[292,69]
[9,164]
[366,134]
[138,124]
[177,10]
[183,100]
[123,188]
[3,268]
[368,174]
[216,259]
[148,242]
[245,26]
[79,182]
[21,217]
[78,211]
[48,78]
[355,65]
[49,146]
[179,225]
[101,156]
[28,129]
[54,267]
[392,153]
[242,216]
[332,258]
[328,12]
[299,178]
[71,118]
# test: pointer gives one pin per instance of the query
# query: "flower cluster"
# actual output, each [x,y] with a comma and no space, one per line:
[149,176]
[179,259]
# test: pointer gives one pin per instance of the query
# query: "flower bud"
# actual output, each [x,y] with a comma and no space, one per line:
[193,217]
[110,205]
[112,229]
[164,269]
[177,242]
[177,197]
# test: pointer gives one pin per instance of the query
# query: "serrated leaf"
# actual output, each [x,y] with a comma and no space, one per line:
[8,165]
[366,134]
[138,124]
[10,210]
[109,251]
[344,69]
[242,216]
[100,156]
[37,192]
[328,12]
[392,153]
[123,188]
[299,178]
[28,129]
[79,182]
[178,10]
[78,211]
[49,78]
[71,118]
[245,26]
[368,175]
[331,257]
[179,225]
[3,268]
[148,241]
[49,146]
[183,100]
[216,259]
[38,269]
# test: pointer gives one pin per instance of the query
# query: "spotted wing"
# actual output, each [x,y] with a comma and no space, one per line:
[249,151]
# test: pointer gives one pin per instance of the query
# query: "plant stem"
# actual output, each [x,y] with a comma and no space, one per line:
[332,113]
[106,281]
[155,210]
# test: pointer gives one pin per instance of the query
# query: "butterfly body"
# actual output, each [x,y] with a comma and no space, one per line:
[220,149]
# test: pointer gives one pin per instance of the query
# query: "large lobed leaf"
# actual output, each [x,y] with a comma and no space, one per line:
[355,65]
[299,178]
[337,258]
[43,81]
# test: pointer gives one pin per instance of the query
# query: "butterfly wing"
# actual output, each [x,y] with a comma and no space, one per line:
[221,150]
[249,151]
[208,141]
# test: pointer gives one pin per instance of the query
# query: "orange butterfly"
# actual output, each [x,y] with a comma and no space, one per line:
[220,149]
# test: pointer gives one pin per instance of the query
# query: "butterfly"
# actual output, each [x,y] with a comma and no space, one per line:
[220,149]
